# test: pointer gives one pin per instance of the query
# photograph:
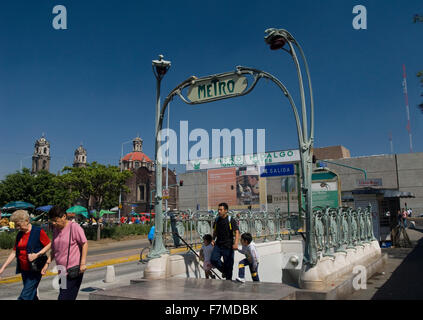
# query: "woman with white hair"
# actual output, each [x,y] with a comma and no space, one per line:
[31,243]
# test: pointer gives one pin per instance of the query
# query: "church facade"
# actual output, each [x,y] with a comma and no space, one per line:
[142,183]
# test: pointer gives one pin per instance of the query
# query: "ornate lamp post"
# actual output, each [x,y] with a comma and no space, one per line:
[277,39]
[160,68]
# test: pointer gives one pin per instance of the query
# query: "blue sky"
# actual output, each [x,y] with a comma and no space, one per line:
[93,83]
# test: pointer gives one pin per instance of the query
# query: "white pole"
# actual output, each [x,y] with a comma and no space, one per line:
[167,166]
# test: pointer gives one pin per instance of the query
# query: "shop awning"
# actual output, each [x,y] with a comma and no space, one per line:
[398,194]
[387,193]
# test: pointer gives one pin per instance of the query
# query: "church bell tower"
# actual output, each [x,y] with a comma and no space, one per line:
[41,157]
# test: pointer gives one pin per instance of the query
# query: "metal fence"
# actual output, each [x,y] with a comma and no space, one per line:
[263,226]
[335,229]
[338,229]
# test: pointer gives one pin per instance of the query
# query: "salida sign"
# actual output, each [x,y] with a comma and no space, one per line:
[217,87]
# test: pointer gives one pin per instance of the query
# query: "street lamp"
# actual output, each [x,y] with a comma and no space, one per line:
[121,169]
[277,39]
[160,68]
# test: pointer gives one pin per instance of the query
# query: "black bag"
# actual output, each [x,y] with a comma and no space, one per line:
[38,264]
[73,272]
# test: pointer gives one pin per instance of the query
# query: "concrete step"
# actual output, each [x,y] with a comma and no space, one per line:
[197,289]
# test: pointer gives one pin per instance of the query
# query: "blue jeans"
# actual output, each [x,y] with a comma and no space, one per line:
[228,260]
[241,270]
[30,280]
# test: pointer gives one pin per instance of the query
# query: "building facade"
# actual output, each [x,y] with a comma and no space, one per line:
[393,182]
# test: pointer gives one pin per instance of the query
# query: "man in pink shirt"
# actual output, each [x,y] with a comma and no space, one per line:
[69,248]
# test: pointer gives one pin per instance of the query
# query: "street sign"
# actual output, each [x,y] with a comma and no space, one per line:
[277,170]
[165,193]
[377,182]
[217,87]
[322,164]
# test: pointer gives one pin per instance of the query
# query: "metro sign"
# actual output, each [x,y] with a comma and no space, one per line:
[217,87]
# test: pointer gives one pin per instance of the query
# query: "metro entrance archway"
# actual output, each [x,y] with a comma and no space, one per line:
[234,84]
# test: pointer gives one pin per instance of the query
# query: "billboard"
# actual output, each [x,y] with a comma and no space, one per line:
[221,187]
[260,159]
[239,187]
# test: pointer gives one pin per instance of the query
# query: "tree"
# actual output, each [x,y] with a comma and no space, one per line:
[17,187]
[40,189]
[98,184]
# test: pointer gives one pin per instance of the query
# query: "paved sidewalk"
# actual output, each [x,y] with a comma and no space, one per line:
[402,276]
[99,255]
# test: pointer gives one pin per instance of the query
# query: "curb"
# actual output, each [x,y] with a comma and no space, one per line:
[100,264]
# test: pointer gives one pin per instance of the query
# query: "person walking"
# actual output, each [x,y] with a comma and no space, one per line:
[175,233]
[224,230]
[250,251]
[150,235]
[69,249]
[30,246]
[404,217]
[399,218]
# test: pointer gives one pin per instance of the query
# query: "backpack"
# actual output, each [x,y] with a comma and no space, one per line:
[217,218]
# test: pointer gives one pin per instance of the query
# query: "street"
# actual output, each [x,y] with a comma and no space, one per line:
[93,280]
[97,252]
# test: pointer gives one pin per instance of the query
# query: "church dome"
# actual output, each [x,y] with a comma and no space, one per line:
[136,159]
[136,156]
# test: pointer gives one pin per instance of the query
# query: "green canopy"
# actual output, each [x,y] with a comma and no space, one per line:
[106,212]
[15,205]
[78,210]
[102,212]
[135,214]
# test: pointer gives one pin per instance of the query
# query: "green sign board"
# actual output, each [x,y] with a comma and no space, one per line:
[217,87]
[325,189]
[325,198]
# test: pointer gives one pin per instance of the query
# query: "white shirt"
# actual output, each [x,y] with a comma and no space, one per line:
[207,251]
[251,253]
